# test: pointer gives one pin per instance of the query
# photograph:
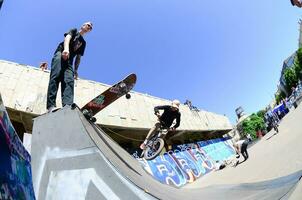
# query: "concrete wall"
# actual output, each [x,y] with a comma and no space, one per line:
[188,162]
[24,89]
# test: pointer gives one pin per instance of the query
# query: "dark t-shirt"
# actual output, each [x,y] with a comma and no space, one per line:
[168,116]
[76,46]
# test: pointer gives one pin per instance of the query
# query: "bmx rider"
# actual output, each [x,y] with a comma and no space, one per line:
[171,112]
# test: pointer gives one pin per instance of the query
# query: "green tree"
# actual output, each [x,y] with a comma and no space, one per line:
[253,124]
[298,63]
[261,113]
[279,97]
[291,79]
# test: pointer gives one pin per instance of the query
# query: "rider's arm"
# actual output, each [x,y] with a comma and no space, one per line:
[177,122]
[157,108]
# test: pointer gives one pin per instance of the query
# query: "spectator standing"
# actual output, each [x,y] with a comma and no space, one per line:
[72,48]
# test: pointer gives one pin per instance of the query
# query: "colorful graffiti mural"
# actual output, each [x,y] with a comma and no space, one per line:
[187,162]
[15,169]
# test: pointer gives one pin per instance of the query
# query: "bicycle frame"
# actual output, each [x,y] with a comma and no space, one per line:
[162,132]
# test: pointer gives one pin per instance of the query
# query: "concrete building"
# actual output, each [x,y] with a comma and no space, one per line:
[289,63]
[24,89]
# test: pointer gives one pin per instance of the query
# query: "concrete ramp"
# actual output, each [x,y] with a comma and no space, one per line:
[73,159]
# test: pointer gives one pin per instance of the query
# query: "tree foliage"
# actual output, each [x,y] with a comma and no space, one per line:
[253,124]
[291,79]
[280,96]
[261,113]
[298,63]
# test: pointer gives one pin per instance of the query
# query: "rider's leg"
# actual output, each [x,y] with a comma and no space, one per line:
[150,134]
[153,130]
[167,137]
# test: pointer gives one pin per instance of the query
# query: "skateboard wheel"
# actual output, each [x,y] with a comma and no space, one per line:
[122,85]
[93,119]
[73,106]
[128,96]
[85,112]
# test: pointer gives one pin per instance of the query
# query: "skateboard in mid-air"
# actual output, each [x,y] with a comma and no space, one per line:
[109,96]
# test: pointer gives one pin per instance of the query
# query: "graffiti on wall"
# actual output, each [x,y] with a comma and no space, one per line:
[187,162]
[15,169]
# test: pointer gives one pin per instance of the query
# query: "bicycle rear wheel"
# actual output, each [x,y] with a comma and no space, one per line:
[153,149]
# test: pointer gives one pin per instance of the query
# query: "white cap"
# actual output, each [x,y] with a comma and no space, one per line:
[175,103]
[90,23]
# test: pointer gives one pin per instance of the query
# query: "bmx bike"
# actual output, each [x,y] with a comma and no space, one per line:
[155,144]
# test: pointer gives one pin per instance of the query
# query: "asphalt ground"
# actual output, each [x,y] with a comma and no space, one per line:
[274,156]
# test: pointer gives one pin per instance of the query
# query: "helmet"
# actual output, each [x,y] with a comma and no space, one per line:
[175,103]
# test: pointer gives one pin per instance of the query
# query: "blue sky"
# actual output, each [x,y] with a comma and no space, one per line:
[220,55]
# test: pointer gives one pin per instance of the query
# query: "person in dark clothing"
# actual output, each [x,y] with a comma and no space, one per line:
[241,147]
[62,71]
[166,119]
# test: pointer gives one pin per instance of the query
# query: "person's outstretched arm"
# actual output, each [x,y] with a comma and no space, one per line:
[65,53]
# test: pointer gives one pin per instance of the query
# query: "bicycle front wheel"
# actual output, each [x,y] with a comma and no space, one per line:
[153,149]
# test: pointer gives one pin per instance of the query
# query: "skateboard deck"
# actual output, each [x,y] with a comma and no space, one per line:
[109,96]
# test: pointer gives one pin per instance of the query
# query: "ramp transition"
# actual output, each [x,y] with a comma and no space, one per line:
[74,159]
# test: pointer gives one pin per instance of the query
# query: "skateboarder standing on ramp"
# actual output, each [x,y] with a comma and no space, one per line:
[62,71]
[166,119]
[241,147]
